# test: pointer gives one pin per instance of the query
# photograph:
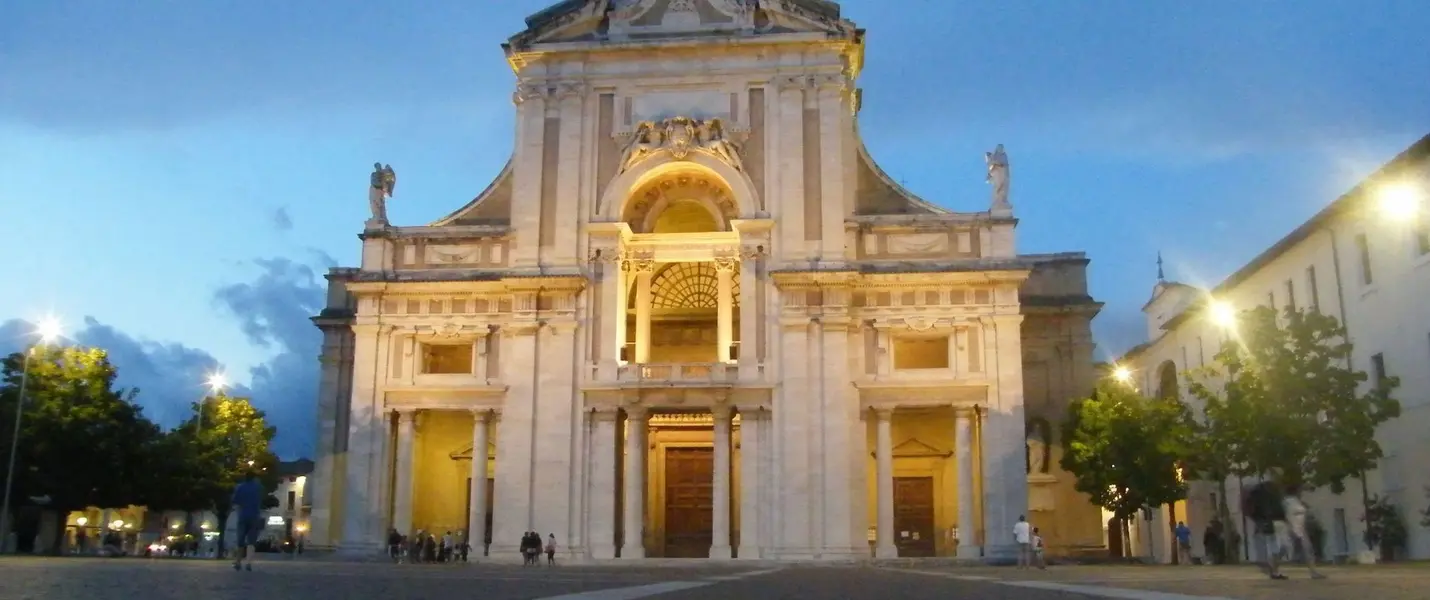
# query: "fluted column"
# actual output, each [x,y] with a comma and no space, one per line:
[643,269]
[884,467]
[963,452]
[477,531]
[633,542]
[402,497]
[720,506]
[725,306]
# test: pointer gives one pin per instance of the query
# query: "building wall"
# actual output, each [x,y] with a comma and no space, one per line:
[1388,317]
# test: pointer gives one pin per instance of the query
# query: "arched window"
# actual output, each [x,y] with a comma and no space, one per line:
[689,285]
[1167,387]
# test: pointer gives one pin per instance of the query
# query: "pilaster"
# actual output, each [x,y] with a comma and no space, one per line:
[514,509]
[884,467]
[601,519]
[366,437]
[403,471]
[836,164]
[963,452]
[555,472]
[752,482]
[531,99]
[570,100]
[720,489]
[633,540]
[477,534]
[792,438]
[1005,482]
[790,166]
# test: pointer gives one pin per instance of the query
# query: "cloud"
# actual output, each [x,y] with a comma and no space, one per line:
[281,220]
[272,310]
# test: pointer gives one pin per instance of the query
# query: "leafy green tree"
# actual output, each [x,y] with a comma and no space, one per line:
[1126,449]
[1290,405]
[81,439]
[224,439]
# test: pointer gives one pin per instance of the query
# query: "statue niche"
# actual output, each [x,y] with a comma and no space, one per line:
[679,137]
[1039,453]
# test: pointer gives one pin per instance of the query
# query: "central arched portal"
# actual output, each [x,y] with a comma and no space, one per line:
[678,319]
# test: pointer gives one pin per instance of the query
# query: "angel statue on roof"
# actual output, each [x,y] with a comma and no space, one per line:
[382,183]
[998,175]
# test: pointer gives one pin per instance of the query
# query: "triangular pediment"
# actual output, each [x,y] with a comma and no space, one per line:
[916,448]
[647,20]
[465,453]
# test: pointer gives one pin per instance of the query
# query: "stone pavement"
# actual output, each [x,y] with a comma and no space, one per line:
[1379,582]
[282,578]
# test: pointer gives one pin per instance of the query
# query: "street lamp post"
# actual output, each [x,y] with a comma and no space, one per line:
[48,330]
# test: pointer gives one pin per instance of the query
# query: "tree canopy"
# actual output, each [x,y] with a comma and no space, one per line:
[83,442]
[1282,399]
[1126,450]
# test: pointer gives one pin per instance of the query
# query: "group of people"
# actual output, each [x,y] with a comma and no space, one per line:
[1030,544]
[531,549]
[1272,507]
[426,547]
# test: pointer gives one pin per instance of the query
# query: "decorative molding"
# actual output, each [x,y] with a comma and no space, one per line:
[678,137]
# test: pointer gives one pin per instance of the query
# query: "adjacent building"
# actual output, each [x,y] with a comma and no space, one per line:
[1364,259]
[692,317]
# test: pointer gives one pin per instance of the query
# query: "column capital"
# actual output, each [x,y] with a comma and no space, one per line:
[722,412]
[884,413]
[726,264]
[636,412]
[483,415]
[604,413]
[965,412]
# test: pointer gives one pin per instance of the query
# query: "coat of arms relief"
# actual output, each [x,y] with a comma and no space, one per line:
[681,136]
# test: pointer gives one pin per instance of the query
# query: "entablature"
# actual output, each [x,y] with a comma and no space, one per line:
[466,398]
[891,395]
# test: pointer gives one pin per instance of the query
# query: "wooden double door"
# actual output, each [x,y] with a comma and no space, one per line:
[689,500]
[913,516]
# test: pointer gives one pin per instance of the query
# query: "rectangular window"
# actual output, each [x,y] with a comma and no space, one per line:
[292,498]
[921,353]
[1201,353]
[1311,287]
[1422,239]
[447,359]
[1271,299]
[1377,369]
[1367,277]
[1290,294]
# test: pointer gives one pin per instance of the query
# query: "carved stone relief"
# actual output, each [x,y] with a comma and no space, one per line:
[680,136]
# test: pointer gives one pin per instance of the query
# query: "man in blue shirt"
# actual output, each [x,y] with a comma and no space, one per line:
[248,505]
[1184,543]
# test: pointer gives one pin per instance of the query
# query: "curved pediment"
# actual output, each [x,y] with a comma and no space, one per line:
[646,20]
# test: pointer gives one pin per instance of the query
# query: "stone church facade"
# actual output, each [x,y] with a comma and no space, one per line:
[693,318]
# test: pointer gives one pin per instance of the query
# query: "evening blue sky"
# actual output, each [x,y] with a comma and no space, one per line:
[178,175]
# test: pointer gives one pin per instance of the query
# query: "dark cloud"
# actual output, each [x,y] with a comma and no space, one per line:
[281,220]
[272,310]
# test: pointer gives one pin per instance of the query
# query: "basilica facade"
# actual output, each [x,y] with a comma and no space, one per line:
[692,317]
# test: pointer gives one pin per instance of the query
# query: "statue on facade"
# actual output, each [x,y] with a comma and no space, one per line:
[647,139]
[1039,432]
[714,139]
[998,176]
[381,184]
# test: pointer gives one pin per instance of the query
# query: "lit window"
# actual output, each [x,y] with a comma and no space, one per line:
[447,359]
[921,353]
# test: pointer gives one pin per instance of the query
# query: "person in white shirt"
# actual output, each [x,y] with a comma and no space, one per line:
[1296,528]
[1023,536]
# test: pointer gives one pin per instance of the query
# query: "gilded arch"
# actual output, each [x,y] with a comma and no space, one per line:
[621,191]
[685,192]
[682,286]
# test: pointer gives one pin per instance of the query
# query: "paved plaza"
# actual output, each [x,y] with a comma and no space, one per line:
[163,579]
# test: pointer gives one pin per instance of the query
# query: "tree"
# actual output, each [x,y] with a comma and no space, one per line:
[1290,405]
[1126,449]
[216,452]
[81,440]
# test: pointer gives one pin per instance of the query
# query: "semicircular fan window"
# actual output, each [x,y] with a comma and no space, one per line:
[689,285]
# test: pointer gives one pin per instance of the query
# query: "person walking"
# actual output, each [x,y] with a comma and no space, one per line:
[1023,536]
[248,504]
[551,550]
[1296,529]
[1265,505]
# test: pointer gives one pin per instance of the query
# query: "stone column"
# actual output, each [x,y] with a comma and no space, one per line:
[751,482]
[643,269]
[963,452]
[602,492]
[720,517]
[481,449]
[884,466]
[633,545]
[402,495]
[725,306]
[1005,473]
